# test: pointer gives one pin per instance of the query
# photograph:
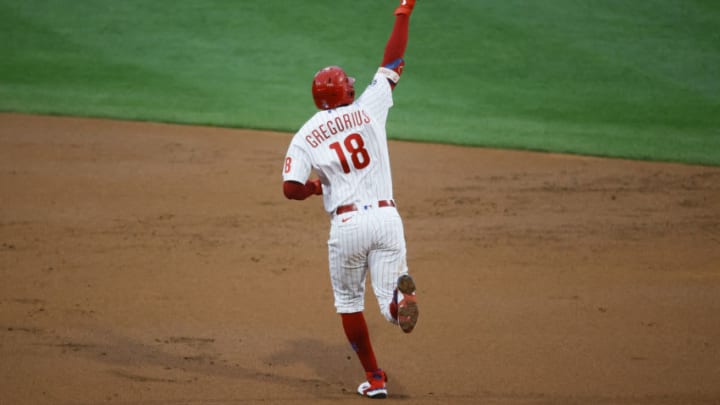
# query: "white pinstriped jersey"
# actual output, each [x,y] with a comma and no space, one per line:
[347,148]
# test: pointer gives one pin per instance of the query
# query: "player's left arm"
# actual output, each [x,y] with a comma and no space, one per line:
[393,62]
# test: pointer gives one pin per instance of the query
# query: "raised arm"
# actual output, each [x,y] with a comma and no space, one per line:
[395,47]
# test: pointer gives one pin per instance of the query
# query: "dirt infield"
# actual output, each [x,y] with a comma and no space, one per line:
[159,264]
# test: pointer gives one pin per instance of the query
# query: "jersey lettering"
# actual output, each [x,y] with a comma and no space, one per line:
[341,155]
[355,145]
[339,124]
[288,163]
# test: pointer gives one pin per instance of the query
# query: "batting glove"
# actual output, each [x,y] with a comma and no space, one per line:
[405,7]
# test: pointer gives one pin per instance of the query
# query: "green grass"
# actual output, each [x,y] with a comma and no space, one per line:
[613,78]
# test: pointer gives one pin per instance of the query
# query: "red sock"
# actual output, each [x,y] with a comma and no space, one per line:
[394,305]
[357,334]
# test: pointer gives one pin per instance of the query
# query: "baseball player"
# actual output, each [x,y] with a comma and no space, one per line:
[345,144]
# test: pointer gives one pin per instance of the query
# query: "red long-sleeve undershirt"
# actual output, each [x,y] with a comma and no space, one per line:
[395,47]
[298,191]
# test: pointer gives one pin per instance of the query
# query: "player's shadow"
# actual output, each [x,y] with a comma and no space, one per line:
[334,363]
[335,370]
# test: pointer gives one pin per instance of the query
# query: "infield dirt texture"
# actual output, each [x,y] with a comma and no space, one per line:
[160,264]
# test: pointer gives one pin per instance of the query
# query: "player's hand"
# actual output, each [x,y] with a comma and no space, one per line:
[405,7]
[314,186]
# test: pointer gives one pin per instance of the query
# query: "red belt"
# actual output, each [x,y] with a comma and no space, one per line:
[352,207]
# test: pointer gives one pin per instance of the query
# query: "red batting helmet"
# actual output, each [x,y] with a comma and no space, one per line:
[332,88]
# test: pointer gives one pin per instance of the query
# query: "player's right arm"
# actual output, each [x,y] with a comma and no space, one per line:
[295,172]
[393,62]
[294,190]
